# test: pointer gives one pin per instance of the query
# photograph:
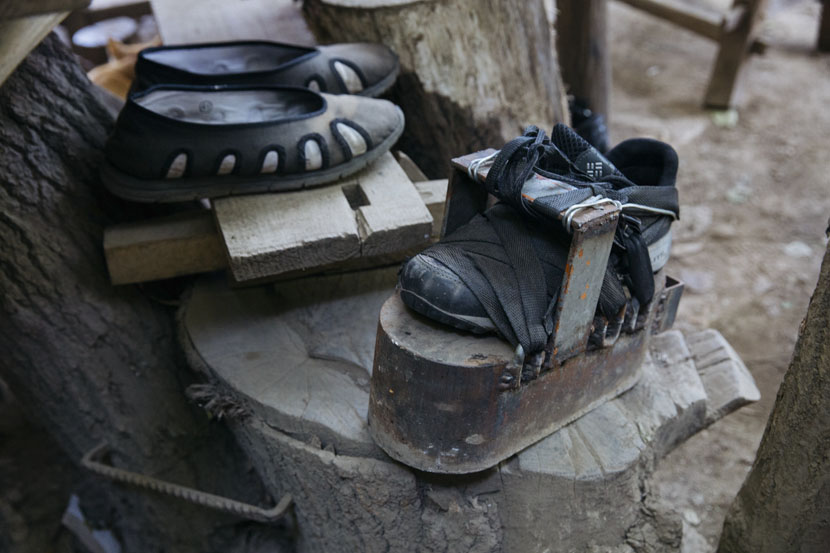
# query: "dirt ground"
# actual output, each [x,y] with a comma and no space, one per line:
[756,198]
[755,205]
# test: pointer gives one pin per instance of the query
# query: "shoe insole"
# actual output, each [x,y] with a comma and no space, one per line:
[223,107]
[225,60]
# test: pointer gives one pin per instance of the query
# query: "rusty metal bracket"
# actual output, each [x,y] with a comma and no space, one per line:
[667,305]
[93,461]
[592,236]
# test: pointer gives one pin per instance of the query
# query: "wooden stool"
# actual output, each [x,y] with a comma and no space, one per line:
[735,31]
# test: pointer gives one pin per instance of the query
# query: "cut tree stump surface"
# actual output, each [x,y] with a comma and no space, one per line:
[297,357]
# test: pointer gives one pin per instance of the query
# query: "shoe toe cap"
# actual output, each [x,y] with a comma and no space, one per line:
[381,119]
[433,289]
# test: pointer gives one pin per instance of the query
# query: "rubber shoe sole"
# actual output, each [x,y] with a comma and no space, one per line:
[194,188]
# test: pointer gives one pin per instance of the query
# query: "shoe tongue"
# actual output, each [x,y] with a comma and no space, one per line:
[585,157]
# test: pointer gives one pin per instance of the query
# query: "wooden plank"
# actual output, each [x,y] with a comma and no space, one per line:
[266,235]
[434,195]
[735,45]
[728,383]
[698,20]
[166,247]
[376,212]
[221,20]
[409,167]
[10,9]
[189,243]
[19,36]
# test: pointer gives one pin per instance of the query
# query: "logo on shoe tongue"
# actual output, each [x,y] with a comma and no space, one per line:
[593,164]
[594,169]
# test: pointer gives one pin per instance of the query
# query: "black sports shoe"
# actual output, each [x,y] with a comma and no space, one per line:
[589,124]
[501,272]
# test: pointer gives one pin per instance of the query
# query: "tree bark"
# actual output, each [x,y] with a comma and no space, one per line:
[92,362]
[473,72]
[784,504]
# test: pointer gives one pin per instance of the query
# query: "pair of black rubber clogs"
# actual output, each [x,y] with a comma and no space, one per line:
[219,119]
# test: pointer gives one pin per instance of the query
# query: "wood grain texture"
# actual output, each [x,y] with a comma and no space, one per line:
[455,86]
[190,21]
[19,36]
[11,9]
[374,213]
[434,195]
[297,357]
[266,235]
[409,167]
[702,21]
[728,383]
[180,244]
[735,46]
[189,243]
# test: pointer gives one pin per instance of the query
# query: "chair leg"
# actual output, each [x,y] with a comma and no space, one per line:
[734,48]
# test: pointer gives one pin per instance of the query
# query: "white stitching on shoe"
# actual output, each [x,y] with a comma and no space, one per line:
[313,155]
[227,165]
[349,76]
[271,162]
[355,141]
[177,166]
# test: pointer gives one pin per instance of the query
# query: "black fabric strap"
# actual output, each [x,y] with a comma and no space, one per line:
[512,267]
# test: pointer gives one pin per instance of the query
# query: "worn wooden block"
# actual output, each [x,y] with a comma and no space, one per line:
[376,212]
[180,244]
[189,243]
[434,195]
[728,383]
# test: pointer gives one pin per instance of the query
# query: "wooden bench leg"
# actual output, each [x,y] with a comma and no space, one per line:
[582,46]
[735,45]
[823,44]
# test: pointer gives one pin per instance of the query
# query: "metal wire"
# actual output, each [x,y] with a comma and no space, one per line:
[92,462]
[472,169]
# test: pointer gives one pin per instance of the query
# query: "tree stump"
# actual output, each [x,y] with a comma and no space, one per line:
[784,503]
[91,362]
[293,362]
[473,72]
